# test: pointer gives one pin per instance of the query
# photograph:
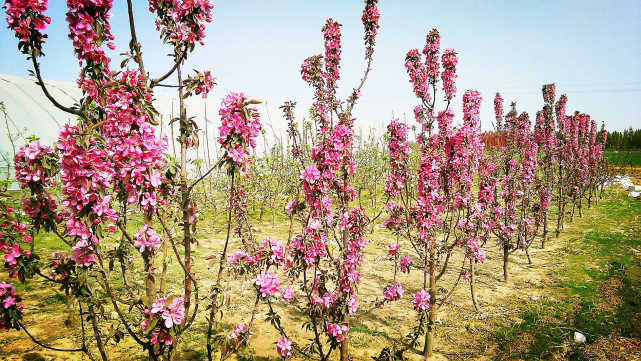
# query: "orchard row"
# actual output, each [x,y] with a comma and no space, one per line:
[452,190]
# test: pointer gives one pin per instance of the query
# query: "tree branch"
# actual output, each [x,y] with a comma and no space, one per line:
[40,82]
[156,82]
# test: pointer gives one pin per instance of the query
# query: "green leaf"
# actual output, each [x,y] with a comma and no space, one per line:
[152,325]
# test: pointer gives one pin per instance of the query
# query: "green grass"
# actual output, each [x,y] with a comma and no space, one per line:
[56,299]
[603,256]
[360,328]
[624,157]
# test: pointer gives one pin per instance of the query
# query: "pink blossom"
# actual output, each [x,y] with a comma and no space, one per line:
[339,332]
[268,283]
[352,306]
[284,347]
[158,306]
[405,264]
[147,240]
[288,294]
[11,308]
[395,292]
[237,331]
[421,300]
[11,254]
[175,313]
[393,248]
[162,336]
[83,253]
[239,129]
[310,174]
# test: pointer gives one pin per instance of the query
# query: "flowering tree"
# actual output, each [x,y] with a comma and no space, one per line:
[444,214]
[322,261]
[545,137]
[109,163]
[516,207]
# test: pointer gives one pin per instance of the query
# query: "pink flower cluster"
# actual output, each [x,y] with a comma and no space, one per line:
[370,19]
[125,158]
[11,233]
[61,266]
[288,294]
[206,84]
[83,253]
[284,347]
[337,332]
[147,240]
[423,74]
[516,183]
[272,250]
[399,151]
[393,248]
[350,275]
[162,317]
[328,301]
[421,300]
[448,76]
[268,284]
[239,259]
[332,34]
[549,93]
[36,165]
[405,263]
[26,19]
[239,129]
[182,21]
[10,307]
[394,293]
[239,335]
[498,111]
[89,28]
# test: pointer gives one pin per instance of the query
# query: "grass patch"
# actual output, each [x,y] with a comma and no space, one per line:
[623,157]
[602,291]
[56,299]
[360,328]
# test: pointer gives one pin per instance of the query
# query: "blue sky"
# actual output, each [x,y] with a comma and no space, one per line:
[590,49]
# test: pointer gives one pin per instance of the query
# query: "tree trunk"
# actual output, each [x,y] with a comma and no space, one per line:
[506,255]
[185,200]
[163,275]
[473,285]
[96,334]
[545,232]
[430,335]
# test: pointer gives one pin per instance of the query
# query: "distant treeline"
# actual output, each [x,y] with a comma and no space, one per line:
[627,139]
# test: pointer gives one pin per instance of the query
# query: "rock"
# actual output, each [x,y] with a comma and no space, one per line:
[622,181]
[634,194]
[33,356]
[635,188]
[579,337]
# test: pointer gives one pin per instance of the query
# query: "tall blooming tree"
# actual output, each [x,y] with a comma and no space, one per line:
[515,207]
[110,162]
[445,214]
[323,260]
